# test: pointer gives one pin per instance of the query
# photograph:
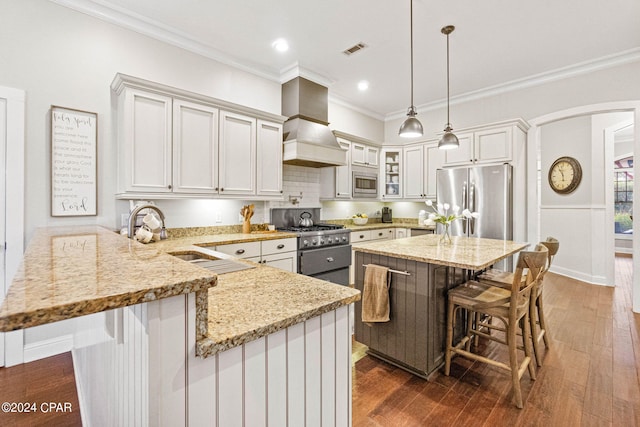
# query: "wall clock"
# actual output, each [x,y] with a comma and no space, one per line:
[565,175]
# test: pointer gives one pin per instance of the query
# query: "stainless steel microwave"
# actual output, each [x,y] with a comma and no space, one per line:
[365,185]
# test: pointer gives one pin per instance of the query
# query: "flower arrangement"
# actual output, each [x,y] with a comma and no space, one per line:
[441,215]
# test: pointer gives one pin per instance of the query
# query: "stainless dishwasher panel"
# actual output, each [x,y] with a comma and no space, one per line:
[314,261]
[421,231]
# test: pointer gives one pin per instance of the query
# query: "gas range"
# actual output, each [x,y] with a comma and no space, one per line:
[324,251]
[319,235]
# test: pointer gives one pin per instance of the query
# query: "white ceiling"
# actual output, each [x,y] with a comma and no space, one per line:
[495,41]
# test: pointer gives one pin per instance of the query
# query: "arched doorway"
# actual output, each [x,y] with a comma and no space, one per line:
[535,180]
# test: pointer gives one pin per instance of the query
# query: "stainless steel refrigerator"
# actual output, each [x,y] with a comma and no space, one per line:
[487,190]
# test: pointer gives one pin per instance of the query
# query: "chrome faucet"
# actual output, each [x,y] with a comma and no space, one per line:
[134,214]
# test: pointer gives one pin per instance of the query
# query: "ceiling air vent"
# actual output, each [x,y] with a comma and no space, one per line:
[353,49]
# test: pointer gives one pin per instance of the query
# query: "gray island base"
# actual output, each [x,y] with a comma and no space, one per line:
[423,270]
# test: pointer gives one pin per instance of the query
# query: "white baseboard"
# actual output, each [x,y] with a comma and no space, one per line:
[578,275]
[47,348]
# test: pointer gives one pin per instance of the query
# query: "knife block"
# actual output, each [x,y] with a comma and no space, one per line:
[246,226]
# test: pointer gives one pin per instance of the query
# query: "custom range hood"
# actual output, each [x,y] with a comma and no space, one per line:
[308,141]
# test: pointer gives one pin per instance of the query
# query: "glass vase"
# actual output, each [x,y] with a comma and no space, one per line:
[445,237]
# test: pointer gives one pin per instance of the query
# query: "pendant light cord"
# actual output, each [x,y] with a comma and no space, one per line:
[411,44]
[448,121]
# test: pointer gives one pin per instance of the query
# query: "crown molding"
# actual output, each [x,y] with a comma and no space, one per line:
[121,17]
[116,15]
[335,99]
[608,61]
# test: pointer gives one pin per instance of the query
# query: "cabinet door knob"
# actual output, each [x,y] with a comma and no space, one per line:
[379,234]
[362,236]
[216,189]
[280,246]
[240,251]
[222,189]
[169,186]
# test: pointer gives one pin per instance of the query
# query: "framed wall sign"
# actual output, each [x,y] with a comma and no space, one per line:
[74,138]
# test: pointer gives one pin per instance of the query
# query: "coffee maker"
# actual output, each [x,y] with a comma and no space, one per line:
[386,215]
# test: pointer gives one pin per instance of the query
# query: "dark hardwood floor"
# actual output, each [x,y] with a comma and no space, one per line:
[49,384]
[590,375]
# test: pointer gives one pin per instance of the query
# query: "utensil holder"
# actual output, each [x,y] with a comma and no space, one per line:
[246,227]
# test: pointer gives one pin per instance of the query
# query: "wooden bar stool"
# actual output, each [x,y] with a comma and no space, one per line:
[536,314]
[509,306]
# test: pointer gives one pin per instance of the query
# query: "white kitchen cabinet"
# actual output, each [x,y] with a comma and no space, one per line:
[241,250]
[364,155]
[382,234]
[144,133]
[488,145]
[391,185]
[434,160]
[414,169]
[269,158]
[335,182]
[279,253]
[401,233]
[343,174]
[195,147]
[360,236]
[421,161]
[178,144]
[237,174]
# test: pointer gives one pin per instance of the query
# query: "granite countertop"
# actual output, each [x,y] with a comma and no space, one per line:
[69,272]
[73,271]
[271,299]
[464,252]
[173,244]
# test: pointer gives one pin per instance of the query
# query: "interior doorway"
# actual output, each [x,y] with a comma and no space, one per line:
[622,136]
[533,172]
[12,111]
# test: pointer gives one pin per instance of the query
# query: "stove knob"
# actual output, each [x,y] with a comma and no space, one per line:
[344,238]
[330,240]
[305,243]
[314,242]
[321,242]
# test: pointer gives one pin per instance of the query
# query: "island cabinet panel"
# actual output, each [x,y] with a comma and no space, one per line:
[142,369]
[415,335]
[297,376]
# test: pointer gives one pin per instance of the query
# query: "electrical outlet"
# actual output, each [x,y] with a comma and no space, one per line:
[218,217]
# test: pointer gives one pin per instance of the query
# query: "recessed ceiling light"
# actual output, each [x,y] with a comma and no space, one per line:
[280,45]
[363,85]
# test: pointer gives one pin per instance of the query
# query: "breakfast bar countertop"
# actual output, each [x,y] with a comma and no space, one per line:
[70,272]
[73,271]
[464,252]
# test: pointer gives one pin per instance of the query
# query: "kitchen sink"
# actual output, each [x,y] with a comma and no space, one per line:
[218,266]
[190,257]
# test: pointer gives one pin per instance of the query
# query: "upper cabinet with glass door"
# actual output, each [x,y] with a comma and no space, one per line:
[391,187]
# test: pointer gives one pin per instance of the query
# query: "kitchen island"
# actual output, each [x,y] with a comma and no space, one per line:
[167,342]
[422,271]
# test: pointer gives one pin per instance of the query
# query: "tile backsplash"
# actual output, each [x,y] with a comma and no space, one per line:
[298,180]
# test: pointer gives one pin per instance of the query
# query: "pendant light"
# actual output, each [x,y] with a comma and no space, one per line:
[411,127]
[449,140]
